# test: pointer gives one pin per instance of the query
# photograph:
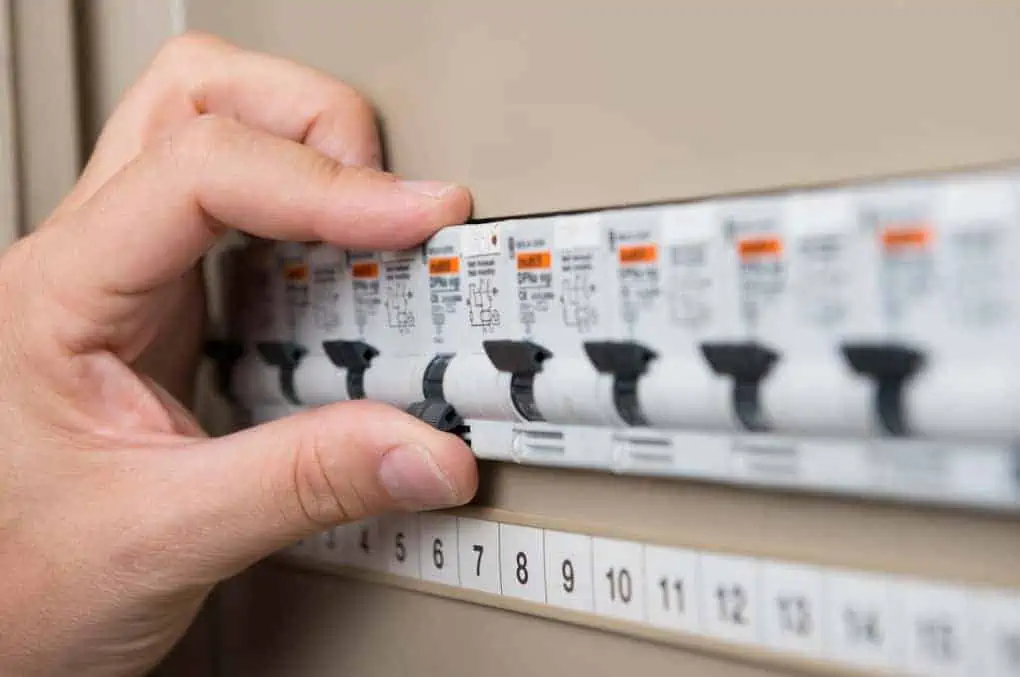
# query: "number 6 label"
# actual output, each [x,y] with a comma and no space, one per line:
[438,549]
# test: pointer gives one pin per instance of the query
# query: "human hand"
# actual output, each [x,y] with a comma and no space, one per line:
[117,515]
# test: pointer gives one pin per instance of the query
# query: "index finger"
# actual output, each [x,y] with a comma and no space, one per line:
[196,74]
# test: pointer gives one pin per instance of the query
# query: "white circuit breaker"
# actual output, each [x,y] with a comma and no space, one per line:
[855,339]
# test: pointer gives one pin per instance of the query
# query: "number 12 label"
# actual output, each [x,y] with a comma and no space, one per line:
[729,597]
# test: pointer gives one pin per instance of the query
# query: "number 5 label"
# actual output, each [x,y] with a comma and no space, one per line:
[478,554]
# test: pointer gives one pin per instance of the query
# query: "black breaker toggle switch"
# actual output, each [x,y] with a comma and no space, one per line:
[891,366]
[626,361]
[522,359]
[355,357]
[434,409]
[284,355]
[747,364]
[225,354]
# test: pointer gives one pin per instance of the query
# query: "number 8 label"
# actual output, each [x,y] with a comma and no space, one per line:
[522,562]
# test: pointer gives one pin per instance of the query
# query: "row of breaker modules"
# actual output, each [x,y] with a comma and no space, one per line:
[858,337]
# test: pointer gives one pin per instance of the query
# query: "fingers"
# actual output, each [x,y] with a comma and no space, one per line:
[199,74]
[159,215]
[236,499]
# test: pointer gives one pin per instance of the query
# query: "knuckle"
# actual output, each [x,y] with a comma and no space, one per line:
[186,48]
[323,495]
[198,139]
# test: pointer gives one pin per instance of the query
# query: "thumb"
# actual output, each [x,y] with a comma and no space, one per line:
[239,498]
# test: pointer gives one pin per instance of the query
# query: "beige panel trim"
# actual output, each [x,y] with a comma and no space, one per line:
[48,108]
[9,201]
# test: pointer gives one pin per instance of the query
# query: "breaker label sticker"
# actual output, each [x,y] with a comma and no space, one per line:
[690,285]
[908,267]
[399,296]
[444,289]
[365,270]
[325,296]
[638,275]
[762,274]
[366,290]
[535,292]
[534,261]
[823,278]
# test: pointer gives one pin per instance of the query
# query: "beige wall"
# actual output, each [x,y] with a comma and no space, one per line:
[544,106]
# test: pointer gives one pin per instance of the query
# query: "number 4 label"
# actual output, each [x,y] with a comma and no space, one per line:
[478,554]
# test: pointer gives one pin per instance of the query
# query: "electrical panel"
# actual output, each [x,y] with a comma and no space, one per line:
[852,340]
[855,340]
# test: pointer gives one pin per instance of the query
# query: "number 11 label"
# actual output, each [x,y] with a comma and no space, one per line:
[670,584]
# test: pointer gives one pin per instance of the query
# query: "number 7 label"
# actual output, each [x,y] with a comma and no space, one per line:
[478,554]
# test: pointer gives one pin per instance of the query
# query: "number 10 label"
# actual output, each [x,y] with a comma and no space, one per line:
[619,579]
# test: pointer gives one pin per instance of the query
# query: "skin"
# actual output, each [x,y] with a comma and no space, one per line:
[117,514]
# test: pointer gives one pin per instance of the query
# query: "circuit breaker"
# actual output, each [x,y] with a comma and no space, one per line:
[854,340]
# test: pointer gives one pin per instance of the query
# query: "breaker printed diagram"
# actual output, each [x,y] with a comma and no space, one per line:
[399,314]
[578,301]
[481,305]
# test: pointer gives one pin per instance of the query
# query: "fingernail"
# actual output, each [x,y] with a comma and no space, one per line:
[411,477]
[434,189]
